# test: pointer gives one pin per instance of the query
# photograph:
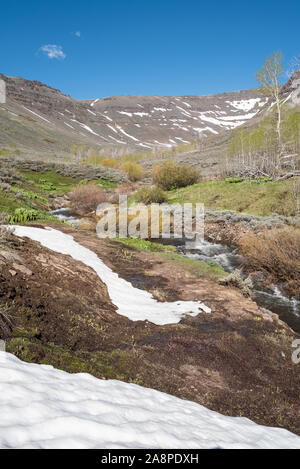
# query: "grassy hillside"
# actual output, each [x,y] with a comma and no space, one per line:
[36,190]
[257,198]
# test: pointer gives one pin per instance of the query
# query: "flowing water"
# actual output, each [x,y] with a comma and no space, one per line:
[271,298]
[65,215]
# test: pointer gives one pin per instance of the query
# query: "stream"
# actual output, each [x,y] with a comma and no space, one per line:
[272,297]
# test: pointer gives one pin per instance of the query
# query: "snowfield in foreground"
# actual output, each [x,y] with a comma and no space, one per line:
[41,407]
[135,304]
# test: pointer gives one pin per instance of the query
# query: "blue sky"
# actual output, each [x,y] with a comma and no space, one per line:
[157,47]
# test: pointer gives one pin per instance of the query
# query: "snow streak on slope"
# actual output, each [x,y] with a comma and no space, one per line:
[42,407]
[135,304]
[152,122]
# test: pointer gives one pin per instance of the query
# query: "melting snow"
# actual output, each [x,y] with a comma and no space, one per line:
[244,104]
[218,122]
[45,408]
[112,128]
[137,305]
[94,102]
[37,115]
[86,127]
[116,140]
[106,117]
[181,139]
[126,113]
[198,129]
[68,125]
[127,135]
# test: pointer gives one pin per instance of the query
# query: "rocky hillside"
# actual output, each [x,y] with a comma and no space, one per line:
[291,90]
[40,121]
[38,118]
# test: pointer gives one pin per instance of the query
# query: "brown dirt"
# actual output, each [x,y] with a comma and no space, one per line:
[236,360]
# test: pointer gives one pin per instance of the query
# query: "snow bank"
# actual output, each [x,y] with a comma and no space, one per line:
[42,407]
[135,304]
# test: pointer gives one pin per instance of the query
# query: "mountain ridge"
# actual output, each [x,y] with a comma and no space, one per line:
[42,121]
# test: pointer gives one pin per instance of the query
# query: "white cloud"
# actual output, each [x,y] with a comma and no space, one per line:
[78,33]
[53,51]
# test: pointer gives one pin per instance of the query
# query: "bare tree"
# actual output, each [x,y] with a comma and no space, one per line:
[293,65]
[269,76]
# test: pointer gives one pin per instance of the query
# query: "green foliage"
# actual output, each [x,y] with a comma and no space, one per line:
[47,181]
[170,175]
[47,185]
[234,180]
[29,195]
[291,130]
[105,183]
[5,152]
[201,268]
[145,245]
[270,72]
[23,215]
[154,195]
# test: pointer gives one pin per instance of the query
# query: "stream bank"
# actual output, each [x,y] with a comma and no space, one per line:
[271,297]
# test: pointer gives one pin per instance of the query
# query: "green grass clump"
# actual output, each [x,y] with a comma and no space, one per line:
[106,184]
[5,152]
[202,269]
[234,180]
[145,245]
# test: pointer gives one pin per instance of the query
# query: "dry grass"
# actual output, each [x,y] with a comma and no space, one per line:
[5,323]
[6,235]
[109,163]
[276,252]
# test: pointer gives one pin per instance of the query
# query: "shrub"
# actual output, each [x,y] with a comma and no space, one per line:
[276,252]
[154,195]
[169,175]
[86,198]
[6,235]
[134,171]
[109,163]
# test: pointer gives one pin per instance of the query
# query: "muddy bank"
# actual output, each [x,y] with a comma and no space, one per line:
[237,360]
